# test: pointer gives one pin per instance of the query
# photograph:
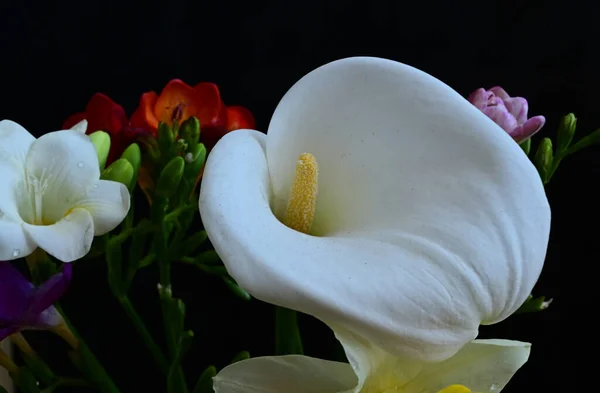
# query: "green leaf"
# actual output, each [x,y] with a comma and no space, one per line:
[287,334]
[205,382]
[243,355]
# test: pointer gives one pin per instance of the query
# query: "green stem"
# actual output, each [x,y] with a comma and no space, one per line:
[144,333]
[287,334]
[176,380]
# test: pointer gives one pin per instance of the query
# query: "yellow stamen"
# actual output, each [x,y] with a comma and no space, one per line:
[301,206]
[455,389]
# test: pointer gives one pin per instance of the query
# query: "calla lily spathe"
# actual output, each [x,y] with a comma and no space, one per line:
[429,219]
[482,366]
[51,195]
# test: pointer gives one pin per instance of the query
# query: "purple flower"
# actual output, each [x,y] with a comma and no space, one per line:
[508,112]
[23,306]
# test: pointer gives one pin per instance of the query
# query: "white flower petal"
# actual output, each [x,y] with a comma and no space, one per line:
[81,126]
[289,374]
[431,220]
[377,370]
[15,142]
[14,242]
[68,162]
[108,202]
[482,366]
[67,240]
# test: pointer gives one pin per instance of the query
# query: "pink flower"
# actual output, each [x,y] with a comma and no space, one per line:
[508,112]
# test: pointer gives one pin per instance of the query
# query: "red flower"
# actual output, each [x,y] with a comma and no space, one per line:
[104,114]
[178,102]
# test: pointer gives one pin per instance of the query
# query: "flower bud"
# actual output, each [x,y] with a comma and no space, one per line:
[133,154]
[508,112]
[120,171]
[544,159]
[170,177]
[165,137]
[190,132]
[101,141]
[194,161]
[566,130]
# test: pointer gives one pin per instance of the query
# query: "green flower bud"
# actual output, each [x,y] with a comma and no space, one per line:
[566,130]
[101,141]
[120,171]
[190,132]
[194,161]
[165,138]
[133,154]
[170,177]
[534,304]
[544,159]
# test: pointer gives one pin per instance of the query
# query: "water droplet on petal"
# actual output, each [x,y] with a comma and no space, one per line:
[16,252]
[80,164]
[494,387]
[189,158]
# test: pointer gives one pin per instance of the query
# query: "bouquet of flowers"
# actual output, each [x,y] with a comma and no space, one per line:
[380,201]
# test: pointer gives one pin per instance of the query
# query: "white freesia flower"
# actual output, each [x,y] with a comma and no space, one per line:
[429,221]
[51,195]
[480,366]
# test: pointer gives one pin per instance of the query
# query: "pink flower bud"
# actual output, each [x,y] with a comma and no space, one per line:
[508,112]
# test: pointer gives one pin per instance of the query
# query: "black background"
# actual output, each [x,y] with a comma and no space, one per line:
[54,56]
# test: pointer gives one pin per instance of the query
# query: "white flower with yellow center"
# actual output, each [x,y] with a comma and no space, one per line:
[425,220]
[483,366]
[51,195]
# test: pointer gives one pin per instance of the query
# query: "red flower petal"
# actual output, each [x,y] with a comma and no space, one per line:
[176,101]
[210,109]
[104,114]
[74,119]
[239,117]
[144,116]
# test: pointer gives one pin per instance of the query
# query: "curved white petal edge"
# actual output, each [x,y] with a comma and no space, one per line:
[430,219]
[51,195]
[481,366]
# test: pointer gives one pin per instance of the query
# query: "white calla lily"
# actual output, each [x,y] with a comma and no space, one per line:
[51,195]
[483,366]
[430,220]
